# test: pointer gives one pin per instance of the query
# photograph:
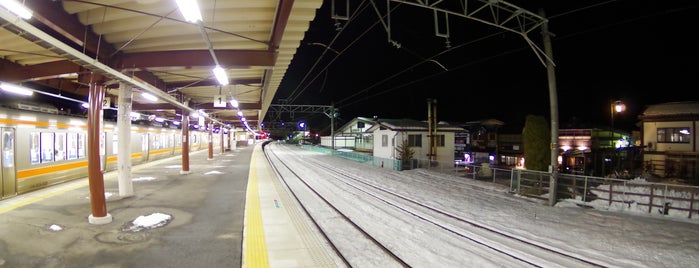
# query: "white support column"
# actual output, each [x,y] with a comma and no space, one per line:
[124,134]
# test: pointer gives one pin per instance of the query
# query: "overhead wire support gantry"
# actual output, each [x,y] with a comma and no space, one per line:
[496,13]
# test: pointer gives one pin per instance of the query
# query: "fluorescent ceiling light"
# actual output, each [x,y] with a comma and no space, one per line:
[148,96]
[16,89]
[17,8]
[221,76]
[234,103]
[190,10]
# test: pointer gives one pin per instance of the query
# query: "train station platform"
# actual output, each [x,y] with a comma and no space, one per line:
[230,211]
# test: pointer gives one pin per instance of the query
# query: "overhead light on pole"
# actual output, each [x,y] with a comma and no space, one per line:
[190,10]
[16,89]
[221,75]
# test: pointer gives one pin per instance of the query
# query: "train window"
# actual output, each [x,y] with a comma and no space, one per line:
[81,145]
[8,151]
[34,148]
[60,146]
[166,141]
[47,143]
[72,145]
[144,142]
[103,148]
[115,143]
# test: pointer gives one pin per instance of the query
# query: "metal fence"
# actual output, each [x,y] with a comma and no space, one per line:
[620,194]
[359,157]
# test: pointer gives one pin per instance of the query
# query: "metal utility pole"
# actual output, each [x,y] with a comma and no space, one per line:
[553,96]
[432,129]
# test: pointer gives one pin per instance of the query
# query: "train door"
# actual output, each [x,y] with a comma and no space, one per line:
[144,146]
[103,151]
[8,186]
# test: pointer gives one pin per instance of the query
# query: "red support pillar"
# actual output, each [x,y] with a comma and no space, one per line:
[185,143]
[220,130]
[211,140]
[95,177]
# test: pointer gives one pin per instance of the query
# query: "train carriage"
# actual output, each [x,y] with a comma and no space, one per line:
[42,149]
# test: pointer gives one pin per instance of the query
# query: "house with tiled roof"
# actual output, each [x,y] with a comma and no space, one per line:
[670,133]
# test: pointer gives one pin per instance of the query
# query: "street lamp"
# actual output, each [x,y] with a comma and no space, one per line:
[616,107]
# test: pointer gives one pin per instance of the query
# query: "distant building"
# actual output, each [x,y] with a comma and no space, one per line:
[390,133]
[481,145]
[355,134]
[670,132]
[381,137]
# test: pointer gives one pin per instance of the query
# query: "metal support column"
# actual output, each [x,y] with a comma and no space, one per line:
[211,140]
[124,134]
[185,142]
[98,202]
[553,96]
[223,141]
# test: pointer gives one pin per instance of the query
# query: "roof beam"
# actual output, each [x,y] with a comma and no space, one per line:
[38,71]
[51,15]
[227,58]
[207,106]
[280,21]
[213,82]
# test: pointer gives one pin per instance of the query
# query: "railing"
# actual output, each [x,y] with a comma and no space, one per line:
[358,157]
[618,194]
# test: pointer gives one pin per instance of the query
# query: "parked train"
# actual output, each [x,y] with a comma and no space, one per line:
[43,149]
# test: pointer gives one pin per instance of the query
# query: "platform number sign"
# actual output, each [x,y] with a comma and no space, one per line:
[219,101]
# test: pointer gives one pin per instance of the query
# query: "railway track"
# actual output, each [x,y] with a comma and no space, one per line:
[446,230]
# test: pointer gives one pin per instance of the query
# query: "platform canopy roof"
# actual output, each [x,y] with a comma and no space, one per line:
[149,46]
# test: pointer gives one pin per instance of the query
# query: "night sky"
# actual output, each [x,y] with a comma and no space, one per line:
[641,52]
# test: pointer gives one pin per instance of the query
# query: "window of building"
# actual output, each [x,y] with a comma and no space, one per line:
[415,140]
[674,135]
[439,139]
[384,140]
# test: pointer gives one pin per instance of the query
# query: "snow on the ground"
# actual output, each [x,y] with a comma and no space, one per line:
[610,236]
[144,222]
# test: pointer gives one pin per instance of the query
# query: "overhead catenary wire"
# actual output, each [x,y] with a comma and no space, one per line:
[296,93]
[346,101]
[359,37]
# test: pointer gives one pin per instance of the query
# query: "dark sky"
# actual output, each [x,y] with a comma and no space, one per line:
[641,52]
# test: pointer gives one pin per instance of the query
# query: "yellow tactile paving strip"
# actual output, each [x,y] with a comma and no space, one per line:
[254,247]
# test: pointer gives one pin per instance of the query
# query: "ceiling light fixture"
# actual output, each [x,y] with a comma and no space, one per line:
[16,89]
[221,75]
[234,103]
[149,96]
[190,10]
[17,8]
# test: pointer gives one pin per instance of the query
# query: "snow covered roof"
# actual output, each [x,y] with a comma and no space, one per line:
[414,125]
[689,109]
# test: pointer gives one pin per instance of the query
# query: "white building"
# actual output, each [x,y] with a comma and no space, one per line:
[669,135]
[390,133]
